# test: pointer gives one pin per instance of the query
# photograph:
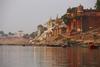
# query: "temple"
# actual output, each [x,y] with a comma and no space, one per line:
[79,19]
[76,20]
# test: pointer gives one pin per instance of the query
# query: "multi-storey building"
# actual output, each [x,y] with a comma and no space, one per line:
[79,19]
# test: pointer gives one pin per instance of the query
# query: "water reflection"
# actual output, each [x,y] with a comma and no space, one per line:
[67,57]
[18,56]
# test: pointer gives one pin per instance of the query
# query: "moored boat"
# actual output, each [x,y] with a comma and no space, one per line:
[92,45]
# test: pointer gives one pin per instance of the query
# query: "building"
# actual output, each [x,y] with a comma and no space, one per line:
[78,19]
[55,27]
[19,34]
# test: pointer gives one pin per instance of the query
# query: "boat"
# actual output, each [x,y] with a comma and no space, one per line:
[92,45]
[84,45]
[67,44]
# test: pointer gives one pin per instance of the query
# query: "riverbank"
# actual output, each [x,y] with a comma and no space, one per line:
[52,41]
[14,41]
[79,39]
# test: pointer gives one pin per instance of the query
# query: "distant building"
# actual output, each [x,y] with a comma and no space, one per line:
[79,19]
[19,34]
[55,27]
[50,23]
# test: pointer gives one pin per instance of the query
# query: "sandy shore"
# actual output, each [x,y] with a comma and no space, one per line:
[13,41]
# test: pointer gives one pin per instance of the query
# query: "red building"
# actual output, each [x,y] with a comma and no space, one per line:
[79,19]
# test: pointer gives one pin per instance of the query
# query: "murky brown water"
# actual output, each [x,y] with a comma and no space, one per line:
[29,56]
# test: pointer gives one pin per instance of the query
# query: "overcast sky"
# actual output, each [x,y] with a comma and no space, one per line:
[27,14]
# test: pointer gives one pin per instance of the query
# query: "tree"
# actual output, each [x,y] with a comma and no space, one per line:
[2,33]
[26,36]
[33,34]
[97,5]
[40,29]
[65,19]
[10,33]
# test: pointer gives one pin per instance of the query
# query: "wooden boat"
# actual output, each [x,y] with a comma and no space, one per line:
[92,45]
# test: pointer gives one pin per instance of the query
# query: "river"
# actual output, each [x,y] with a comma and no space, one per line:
[29,56]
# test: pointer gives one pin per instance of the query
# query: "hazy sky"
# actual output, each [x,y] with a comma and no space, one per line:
[27,14]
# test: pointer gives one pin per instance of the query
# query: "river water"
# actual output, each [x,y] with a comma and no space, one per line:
[29,56]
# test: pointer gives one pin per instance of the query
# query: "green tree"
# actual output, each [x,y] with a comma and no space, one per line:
[65,19]
[33,34]
[2,33]
[97,5]
[10,33]
[26,36]
[40,29]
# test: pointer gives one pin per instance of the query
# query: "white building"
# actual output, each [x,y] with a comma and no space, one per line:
[19,34]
